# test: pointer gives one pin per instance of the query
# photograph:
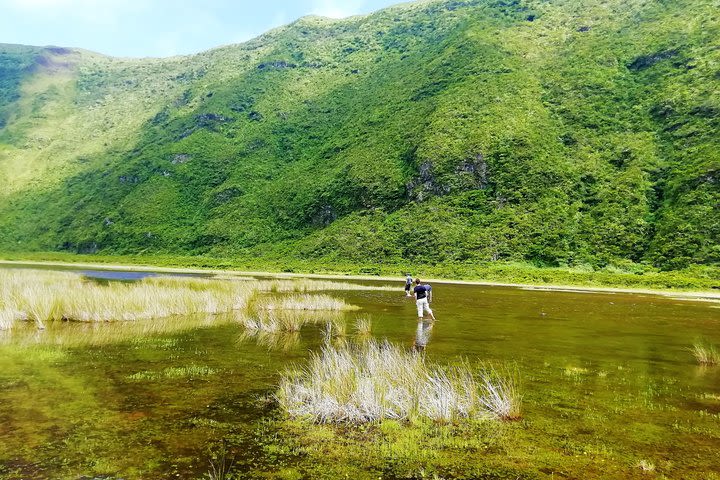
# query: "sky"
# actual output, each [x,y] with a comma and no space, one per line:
[159,28]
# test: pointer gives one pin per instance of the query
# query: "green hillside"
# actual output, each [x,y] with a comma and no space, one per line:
[556,132]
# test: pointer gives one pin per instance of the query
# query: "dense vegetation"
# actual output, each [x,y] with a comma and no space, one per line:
[455,131]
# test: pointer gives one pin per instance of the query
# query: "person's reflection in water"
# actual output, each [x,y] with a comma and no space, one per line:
[422,335]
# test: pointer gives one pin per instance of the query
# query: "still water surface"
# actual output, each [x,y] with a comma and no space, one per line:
[599,370]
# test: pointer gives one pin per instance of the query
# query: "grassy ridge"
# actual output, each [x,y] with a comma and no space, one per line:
[438,133]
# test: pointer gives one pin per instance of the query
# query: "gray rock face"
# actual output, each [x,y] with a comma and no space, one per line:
[277,64]
[646,61]
[181,158]
[469,174]
[211,119]
[324,216]
[476,169]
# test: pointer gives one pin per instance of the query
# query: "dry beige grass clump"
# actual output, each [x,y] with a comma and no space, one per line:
[363,325]
[705,354]
[303,302]
[7,318]
[375,381]
[335,328]
[274,321]
[304,285]
[280,329]
[74,334]
[43,296]
[279,340]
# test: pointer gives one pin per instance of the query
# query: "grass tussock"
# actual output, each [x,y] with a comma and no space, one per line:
[190,371]
[305,285]
[273,321]
[42,297]
[78,334]
[303,302]
[380,381]
[363,325]
[280,329]
[335,328]
[705,354]
[7,319]
[278,340]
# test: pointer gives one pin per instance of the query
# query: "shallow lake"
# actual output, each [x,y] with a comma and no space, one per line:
[608,381]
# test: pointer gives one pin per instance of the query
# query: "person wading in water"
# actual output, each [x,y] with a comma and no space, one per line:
[421,293]
[408,284]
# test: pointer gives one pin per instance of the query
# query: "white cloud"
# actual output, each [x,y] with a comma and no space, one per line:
[337,8]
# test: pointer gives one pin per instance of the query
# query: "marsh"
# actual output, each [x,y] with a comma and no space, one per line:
[609,383]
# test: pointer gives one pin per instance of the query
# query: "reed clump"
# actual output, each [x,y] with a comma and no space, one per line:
[501,392]
[375,381]
[280,329]
[705,354]
[304,285]
[335,328]
[303,302]
[76,334]
[279,340]
[363,325]
[42,296]
[7,319]
[274,321]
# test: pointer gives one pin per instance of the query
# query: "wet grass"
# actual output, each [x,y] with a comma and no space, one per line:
[335,329]
[190,371]
[363,325]
[47,296]
[52,296]
[220,466]
[378,381]
[281,341]
[422,449]
[270,322]
[139,334]
[7,319]
[302,302]
[304,285]
[582,418]
[705,354]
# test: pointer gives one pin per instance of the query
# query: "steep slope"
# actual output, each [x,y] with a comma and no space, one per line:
[560,133]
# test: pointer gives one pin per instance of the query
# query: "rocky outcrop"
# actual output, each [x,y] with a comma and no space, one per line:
[646,61]
[180,158]
[205,120]
[277,65]
[470,174]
